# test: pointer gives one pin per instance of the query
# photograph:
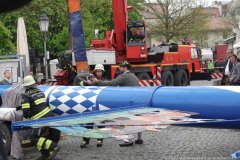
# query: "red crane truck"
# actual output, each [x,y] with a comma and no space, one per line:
[169,64]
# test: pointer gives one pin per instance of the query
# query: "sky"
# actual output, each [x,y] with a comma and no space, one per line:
[208,2]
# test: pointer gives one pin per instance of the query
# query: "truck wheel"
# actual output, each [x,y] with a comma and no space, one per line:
[167,78]
[181,78]
[6,137]
[143,76]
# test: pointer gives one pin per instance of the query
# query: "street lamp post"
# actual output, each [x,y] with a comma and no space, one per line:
[43,24]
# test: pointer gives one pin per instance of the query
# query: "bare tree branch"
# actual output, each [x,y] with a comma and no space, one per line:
[176,18]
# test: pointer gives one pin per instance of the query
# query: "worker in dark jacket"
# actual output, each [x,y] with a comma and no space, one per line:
[34,106]
[125,79]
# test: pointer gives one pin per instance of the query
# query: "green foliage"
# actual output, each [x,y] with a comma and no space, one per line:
[136,13]
[57,35]
[96,14]
[6,46]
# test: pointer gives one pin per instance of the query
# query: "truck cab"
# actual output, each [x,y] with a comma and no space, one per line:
[136,48]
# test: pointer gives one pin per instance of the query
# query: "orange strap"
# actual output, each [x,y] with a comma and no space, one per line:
[73,5]
[82,66]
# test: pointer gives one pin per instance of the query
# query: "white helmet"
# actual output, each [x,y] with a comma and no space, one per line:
[28,81]
[99,67]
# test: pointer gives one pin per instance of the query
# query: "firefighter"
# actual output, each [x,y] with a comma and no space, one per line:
[34,106]
[98,74]
[99,71]
[126,78]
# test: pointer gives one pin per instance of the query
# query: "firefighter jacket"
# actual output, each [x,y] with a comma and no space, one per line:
[34,104]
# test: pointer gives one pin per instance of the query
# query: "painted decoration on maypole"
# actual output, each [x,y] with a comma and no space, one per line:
[77,33]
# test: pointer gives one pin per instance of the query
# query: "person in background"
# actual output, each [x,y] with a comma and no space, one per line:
[227,68]
[98,74]
[210,65]
[234,77]
[7,78]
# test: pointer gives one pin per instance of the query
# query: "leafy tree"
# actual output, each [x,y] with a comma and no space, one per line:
[57,35]
[6,46]
[176,19]
[235,16]
[136,13]
[96,14]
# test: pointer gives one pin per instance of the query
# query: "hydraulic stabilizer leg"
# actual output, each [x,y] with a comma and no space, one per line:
[139,138]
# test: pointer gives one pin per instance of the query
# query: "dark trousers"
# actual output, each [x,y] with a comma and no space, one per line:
[90,126]
[2,150]
[225,80]
[45,139]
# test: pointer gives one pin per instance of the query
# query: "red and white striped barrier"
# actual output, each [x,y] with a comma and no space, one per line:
[149,83]
[159,70]
[217,75]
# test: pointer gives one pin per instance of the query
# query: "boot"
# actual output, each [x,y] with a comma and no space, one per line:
[126,144]
[43,157]
[139,141]
[84,144]
[99,143]
[53,153]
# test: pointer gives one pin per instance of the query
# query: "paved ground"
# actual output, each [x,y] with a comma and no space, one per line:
[173,143]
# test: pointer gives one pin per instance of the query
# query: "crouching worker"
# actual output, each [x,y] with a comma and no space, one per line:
[34,106]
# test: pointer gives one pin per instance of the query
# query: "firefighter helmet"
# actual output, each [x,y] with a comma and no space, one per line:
[124,64]
[28,81]
[99,67]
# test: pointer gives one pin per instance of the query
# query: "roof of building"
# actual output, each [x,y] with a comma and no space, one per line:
[219,23]
[147,13]
[212,11]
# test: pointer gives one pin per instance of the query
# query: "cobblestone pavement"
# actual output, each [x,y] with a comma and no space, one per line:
[173,143]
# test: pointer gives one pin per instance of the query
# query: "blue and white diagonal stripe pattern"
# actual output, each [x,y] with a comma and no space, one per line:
[72,99]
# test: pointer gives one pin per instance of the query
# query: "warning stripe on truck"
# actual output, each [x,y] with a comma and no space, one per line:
[149,83]
[216,75]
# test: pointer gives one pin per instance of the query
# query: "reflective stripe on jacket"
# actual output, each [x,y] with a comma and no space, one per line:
[34,104]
